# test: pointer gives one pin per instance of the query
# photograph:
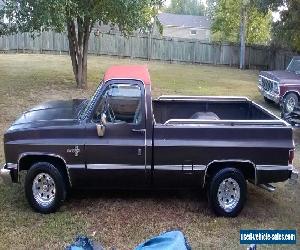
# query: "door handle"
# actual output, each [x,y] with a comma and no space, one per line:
[138,130]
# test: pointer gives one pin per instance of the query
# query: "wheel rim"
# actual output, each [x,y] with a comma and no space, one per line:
[229,194]
[43,189]
[290,105]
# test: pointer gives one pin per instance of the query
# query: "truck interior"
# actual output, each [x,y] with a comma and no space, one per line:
[208,109]
[120,103]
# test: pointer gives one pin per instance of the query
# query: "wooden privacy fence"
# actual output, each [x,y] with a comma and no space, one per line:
[151,48]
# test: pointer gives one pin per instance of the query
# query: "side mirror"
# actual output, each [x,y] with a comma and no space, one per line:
[101,126]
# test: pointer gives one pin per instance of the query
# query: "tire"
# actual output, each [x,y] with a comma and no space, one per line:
[290,101]
[268,100]
[237,187]
[45,188]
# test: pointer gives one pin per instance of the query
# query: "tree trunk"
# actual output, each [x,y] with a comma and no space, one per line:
[243,36]
[78,47]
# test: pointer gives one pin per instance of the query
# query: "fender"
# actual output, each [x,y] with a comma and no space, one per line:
[227,161]
[55,156]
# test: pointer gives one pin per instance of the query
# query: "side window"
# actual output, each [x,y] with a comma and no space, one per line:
[120,103]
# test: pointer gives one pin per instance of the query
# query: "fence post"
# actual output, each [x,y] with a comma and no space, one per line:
[60,42]
[17,42]
[249,56]
[99,44]
[194,51]
[149,53]
[41,42]
[23,42]
[171,50]
[131,47]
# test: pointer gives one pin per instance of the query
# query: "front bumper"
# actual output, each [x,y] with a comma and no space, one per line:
[9,173]
[270,95]
[294,175]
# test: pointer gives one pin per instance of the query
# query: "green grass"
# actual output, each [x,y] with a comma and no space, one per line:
[123,219]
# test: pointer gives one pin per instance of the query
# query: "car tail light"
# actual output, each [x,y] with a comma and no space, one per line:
[291,156]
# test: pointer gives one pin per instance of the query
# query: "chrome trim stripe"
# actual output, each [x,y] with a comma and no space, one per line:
[268,79]
[223,122]
[114,166]
[202,98]
[273,167]
[76,166]
[290,84]
[142,167]
[180,167]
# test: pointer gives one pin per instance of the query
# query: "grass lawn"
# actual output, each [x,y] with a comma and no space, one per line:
[121,220]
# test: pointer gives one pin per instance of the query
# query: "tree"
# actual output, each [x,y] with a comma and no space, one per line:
[227,21]
[247,21]
[186,7]
[77,18]
[287,29]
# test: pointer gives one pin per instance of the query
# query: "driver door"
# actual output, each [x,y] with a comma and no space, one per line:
[117,159]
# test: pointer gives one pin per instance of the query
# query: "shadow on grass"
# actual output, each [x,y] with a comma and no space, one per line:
[184,195]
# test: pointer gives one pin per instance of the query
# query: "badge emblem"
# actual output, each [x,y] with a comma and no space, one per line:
[75,150]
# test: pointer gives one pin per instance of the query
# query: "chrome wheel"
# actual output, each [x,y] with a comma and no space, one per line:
[290,105]
[43,189]
[228,194]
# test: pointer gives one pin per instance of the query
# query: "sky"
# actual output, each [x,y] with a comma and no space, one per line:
[167,2]
[275,14]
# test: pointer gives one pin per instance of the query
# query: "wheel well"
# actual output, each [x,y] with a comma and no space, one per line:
[27,161]
[247,168]
[292,92]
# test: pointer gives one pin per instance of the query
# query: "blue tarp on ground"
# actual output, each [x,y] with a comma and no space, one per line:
[172,240]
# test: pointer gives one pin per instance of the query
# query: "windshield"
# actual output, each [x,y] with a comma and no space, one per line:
[89,103]
[294,66]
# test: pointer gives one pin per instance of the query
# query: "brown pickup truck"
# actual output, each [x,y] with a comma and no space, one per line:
[282,86]
[122,139]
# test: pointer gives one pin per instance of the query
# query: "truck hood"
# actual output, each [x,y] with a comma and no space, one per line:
[282,76]
[52,111]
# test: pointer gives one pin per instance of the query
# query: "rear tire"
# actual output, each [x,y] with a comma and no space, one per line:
[227,192]
[45,188]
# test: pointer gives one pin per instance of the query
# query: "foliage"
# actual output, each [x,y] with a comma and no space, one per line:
[227,17]
[287,30]
[259,26]
[77,17]
[32,15]
[186,7]
[211,6]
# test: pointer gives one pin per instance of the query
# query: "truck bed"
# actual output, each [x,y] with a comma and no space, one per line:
[181,109]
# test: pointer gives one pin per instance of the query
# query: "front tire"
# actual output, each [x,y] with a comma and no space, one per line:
[290,101]
[227,192]
[45,188]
